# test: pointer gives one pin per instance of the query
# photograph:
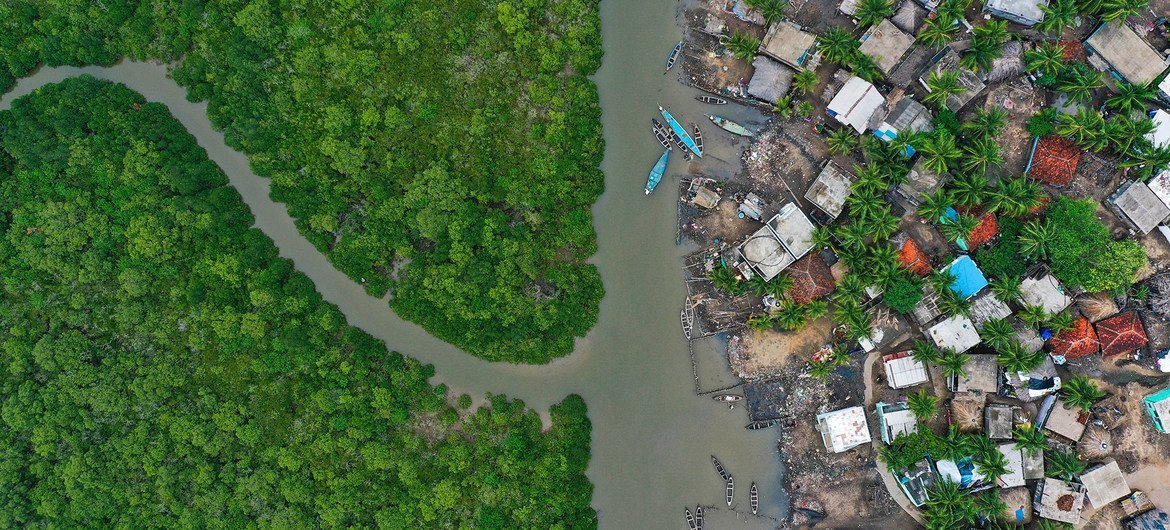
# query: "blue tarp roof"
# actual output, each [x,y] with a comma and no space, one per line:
[968,278]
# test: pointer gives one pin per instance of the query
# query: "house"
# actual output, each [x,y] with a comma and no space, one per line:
[1160,136]
[1024,12]
[844,429]
[811,279]
[1060,501]
[983,232]
[1125,53]
[917,482]
[786,237]
[1157,405]
[788,43]
[1104,484]
[912,257]
[1054,160]
[1058,418]
[956,332]
[856,104]
[1139,206]
[771,79]
[927,309]
[909,17]
[968,278]
[1027,337]
[886,45]
[1120,334]
[1037,382]
[907,116]
[848,7]
[982,376]
[903,371]
[895,420]
[997,421]
[830,189]
[1078,341]
[967,411]
[921,182]
[1164,89]
[987,307]
[1045,291]
[963,472]
[947,60]
[1014,478]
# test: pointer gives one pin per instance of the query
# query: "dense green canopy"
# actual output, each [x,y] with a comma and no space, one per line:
[162,367]
[445,151]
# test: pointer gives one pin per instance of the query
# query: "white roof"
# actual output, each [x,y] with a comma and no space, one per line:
[905,371]
[1160,185]
[794,230]
[1027,12]
[1164,87]
[1063,421]
[856,103]
[1105,484]
[1045,292]
[1160,136]
[1015,459]
[785,238]
[844,429]
[956,332]
[1055,489]
[898,423]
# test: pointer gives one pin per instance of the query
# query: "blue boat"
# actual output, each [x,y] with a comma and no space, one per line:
[656,174]
[681,132]
[673,56]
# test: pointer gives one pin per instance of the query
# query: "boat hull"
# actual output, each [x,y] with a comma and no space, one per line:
[656,172]
[730,126]
[681,132]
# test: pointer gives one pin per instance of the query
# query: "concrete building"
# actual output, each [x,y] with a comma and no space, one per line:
[1058,418]
[921,182]
[982,376]
[1024,12]
[904,371]
[886,45]
[856,104]
[1105,484]
[895,420]
[830,189]
[917,482]
[771,80]
[844,429]
[956,332]
[1125,53]
[1157,405]
[1045,291]
[1139,206]
[788,43]
[969,280]
[907,116]
[1060,501]
[997,421]
[785,238]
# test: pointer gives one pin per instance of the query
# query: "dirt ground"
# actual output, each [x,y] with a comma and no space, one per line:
[765,353]
[1021,102]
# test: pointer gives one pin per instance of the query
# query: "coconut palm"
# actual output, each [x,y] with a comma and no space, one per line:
[1016,358]
[981,154]
[821,370]
[1086,128]
[1131,97]
[1122,9]
[1030,438]
[883,226]
[1081,392]
[953,10]
[1047,58]
[941,85]
[870,12]
[1147,159]
[950,303]
[1058,14]
[1014,196]
[939,152]
[970,189]
[1059,322]
[1006,288]
[1033,315]
[992,464]
[986,41]
[924,352]
[941,281]
[960,227]
[864,203]
[1036,239]
[760,322]
[838,46]
[924,406]
[935,205]
[1062,464]
[1123,132]
[936,32]
[953,363]
[851,287]
[816,309]
[991,506]
[822,237]
[790,316]
[948,505]
[724,279]
[743,46]
[771,10]
[804,81]
[998,334]
[863,66]
[1080,84]
[986,123]
[783,106]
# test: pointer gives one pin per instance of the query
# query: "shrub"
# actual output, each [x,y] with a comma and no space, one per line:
[903,294]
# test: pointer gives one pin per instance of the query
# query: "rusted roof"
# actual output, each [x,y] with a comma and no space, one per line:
[1054,160]
[1121,334]
[985,231]
[811,279]
[1078,341]
[1073,51]
[914,259]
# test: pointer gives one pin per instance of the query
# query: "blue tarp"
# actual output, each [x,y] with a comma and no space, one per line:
[950,217]
[968,278]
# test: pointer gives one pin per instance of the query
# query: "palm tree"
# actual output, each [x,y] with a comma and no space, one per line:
[924,406]
[871,12]
[939,152]
[1006,288]
[1086,128]
[950,303]
[1033,315]
[1130,97]
[841,141]
[882,226]
[783,106]
[790,316]
[1031,439]
[1016,358]
[743,46]
[1063,464]
[960,227]
[991,506]
[985,45]
[998,334]
[1014,196]
[822,237]
[941,281]
[1058,14]
[1080,85]
[936,32]
[924,352]
[941,85]
[981,153]
[771,10]
[1122,9]
[986,123]
[934,206]
[855,319]
[838,46]
[992,464]
[865,203]
[851,287]
[1059,322]
[760,322]
[724,279]
[1122,132]
[949,506]
[863,66]
[1146,159]
[953,363]
[1047,58]
[1081,392]
[1036,239]
[804,81]
[816,309]
[970,189]
[821,370]
[1090,7]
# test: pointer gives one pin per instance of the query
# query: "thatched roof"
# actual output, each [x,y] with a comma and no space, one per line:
[967,412]
[1019,503]
[1096,443]
[1097,306]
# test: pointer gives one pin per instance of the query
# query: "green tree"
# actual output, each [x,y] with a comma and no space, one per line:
[999,334]
[1037,239]
[841,141]
[725,280]
[1014,357]
[838,46]
[1112,10]
[1006,288]
[743,46]
[903,294]
[992,465]
[970,189]
[1063,464]
[1030,438]
[935,205]
[941,85]
[1081,392]
[925,352]
[939,152]
[953,363]
[771,10]
[1047,58]
[936,32]
[959,228]
[1058,14]
[871,12]
[790,316]
[804,81]
[986,124]
[1130,97]
[924,406]
[1059,322]
[1033,315]
[1080,85]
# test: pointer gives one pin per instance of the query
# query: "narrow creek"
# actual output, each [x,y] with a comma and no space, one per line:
[652,436]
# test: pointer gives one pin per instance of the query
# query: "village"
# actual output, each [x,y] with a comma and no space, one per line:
[941,272]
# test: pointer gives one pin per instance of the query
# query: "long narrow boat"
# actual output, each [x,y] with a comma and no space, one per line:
[690,519]
[757,425]
[655,176]
[662,133]
[673,56]
[730,126]
[698,518]
[682,147]
[698,137]
[755,499]
[730,489]
[719,468]
[680,132]
[726,398]
[711,100]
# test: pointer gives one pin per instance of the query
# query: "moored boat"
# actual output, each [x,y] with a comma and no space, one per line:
[690,519]
[730,126]
[698,137]
[673,56]
[719,468]
[656,172]
[698,518]
[730,489]
[682,147]
[757,425]
[711,100]
[755,499]
[680,131]
[726,398]
[661,133]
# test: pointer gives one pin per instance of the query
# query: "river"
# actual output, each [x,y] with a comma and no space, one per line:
[652,436]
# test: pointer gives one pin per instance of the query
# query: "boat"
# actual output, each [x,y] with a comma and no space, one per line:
[656,173]
[686,151]
[698,518]
[730,489]
[719,468]
[690,519]
[757,425]
[680,132]
[673,56]
[727,398]
[730,126]
[663,134]
[812,514]
[711,100]
[698,137]
[755,499]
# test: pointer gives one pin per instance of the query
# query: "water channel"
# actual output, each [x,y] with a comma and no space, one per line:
[652,436]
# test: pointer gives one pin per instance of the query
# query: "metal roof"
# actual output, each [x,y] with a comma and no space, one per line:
[903,371]
[1140,205]
[1026,12]
[1046,292]
[1105,484]
[856,103]
[1125,51]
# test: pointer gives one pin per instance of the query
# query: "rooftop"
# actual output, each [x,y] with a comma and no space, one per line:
[1160,185]
[1061,501]
[1065,421]
[771,80]
[985,231]
[788,43]
[786,237]
[917,482]
[1054,160]
[1015,466]
[856,103]
[1158,407]
[1078,341]
[1129,55]
[895,420]
[1026,12]
[1160,136]
[907,116]
[842,430]
[921,182]
[987,307]
[982,375]
[968,278]
[903,371]
[1105,484]
[957,332]
[948,60]
[913,258]
[830,189]
[1046,292]
[1120,334]
[1139,205]
[886,45]
[997,421]
[811,279]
